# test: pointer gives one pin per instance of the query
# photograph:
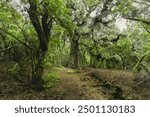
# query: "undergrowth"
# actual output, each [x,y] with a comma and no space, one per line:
[50,80]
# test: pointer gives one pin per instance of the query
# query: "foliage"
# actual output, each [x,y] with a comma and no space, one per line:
[69,32]
[50,80]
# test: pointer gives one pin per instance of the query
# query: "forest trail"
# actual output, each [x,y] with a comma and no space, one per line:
[114,59]
[71,86]
[98,84]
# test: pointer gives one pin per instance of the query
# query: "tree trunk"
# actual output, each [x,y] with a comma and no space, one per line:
[37,81]
[74,52]
[42,25]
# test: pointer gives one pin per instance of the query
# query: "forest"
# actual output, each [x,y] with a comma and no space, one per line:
[75,49]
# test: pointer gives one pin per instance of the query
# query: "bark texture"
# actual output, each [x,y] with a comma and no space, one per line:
[74,52]
[42,25]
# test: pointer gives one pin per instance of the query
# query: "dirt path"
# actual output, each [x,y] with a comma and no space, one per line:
[82,84]
[73,87]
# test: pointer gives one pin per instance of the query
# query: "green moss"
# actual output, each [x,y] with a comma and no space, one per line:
[71,71]
[50,80]
[58,68]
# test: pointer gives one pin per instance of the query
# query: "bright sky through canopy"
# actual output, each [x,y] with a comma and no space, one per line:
[120,22]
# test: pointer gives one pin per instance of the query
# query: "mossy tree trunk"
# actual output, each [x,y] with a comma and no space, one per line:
[74,52]
[42,25]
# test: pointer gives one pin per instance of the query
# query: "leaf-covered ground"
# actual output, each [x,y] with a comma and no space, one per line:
[66,83]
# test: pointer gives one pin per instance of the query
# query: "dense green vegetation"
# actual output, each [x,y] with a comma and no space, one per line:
[38,34]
